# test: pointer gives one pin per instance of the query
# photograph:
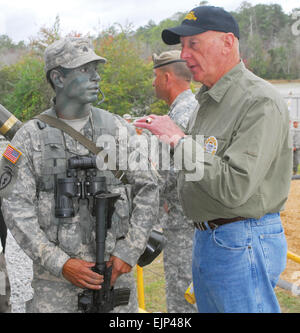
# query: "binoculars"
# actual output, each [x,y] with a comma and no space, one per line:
[72,187]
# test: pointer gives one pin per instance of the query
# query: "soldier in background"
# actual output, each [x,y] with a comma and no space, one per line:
[296,146]
[4,281]
[127,117]
[17,267]
[63,250]
[172,84]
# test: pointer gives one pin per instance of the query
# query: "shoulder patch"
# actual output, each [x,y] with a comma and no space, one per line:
[12,154]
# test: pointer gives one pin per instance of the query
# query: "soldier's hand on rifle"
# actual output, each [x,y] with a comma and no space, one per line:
[119,267]
[79,273]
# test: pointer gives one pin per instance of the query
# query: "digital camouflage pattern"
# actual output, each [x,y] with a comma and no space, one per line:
[296,147]
[70,53]
[5,306]
[178,230]
[49,241]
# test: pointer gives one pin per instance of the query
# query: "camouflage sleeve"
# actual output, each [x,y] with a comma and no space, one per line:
[20,209]
[145,203]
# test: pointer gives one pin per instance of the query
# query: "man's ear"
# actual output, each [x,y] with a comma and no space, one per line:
[57,78]
[228,42]
[168,78]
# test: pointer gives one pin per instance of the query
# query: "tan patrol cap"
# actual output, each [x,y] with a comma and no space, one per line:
[71,52]
[166,58]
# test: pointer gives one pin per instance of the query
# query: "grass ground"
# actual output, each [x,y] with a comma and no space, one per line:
[155,299]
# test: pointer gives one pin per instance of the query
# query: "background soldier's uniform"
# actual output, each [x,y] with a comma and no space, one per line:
[19,269]
[4,284]
[50,241]
[178,230]
[296,146]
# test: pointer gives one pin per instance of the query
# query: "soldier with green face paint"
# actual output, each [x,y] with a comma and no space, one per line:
[63,249]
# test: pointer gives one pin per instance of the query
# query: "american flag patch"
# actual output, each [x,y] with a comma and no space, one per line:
[12,154]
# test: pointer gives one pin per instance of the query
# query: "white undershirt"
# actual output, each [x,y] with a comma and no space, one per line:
[77,124]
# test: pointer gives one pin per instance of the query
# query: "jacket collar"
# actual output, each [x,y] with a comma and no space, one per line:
[218,91]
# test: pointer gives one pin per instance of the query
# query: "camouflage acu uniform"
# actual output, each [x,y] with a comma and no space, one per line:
[51,241]
[4,285]
[296,146]
[178,230]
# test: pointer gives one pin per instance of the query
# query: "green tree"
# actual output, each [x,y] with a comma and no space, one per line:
[150,35]
[126,78]
[259,58]
[6,42]
[28,93]
[46,36]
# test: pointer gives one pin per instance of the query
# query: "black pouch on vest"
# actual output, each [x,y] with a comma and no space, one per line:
[155,245]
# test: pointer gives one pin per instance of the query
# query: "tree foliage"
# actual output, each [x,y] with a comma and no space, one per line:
[126,77]
[28,92]
[267,44]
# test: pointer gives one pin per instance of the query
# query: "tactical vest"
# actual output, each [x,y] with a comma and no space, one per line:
[55,154]
[53,166]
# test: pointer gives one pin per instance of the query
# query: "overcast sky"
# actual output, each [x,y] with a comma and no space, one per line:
[21,19]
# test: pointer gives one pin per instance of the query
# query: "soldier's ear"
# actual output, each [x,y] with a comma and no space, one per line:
[56,78]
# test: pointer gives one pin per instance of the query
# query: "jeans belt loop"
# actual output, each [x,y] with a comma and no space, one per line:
[202,226]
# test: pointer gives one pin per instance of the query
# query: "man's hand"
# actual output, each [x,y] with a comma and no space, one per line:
[119,267]
[163,127]
[79,273]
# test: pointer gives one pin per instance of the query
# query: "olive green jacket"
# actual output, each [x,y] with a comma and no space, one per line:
[241,143]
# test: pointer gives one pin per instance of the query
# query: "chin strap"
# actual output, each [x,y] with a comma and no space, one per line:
[103,97]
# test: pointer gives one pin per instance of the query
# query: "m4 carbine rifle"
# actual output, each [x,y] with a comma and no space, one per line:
[105,299]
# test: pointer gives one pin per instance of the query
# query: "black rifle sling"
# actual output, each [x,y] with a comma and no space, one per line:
[90,145]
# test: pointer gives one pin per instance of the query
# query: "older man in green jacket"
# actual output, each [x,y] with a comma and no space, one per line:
[240,146]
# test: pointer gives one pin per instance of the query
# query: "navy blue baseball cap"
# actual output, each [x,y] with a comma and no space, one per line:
[199,20]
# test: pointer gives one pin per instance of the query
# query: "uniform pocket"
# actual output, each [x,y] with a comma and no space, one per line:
[70,237]
[121,215]
[46,217]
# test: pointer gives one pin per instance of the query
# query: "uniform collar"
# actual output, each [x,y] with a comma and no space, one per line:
[52,112]
[179,98]
[218,91]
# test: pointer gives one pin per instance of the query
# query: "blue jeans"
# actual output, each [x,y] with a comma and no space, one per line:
[236,266]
